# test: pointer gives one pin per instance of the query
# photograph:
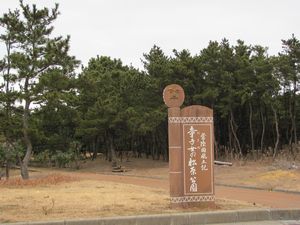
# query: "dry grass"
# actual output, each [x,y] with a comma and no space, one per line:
[276,175]
[63,197]
[51,179]
[78,199]
[276,179]
[259,174]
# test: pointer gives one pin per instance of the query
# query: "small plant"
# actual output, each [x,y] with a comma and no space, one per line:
[9,152]
[62,159]
[43,158]
[46,209]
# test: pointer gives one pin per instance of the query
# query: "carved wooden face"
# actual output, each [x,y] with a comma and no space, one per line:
[173,95]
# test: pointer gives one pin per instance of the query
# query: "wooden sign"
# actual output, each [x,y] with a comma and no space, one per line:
[198,159]
[191,148]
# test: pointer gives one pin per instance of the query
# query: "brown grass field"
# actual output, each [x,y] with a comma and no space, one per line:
[54,194]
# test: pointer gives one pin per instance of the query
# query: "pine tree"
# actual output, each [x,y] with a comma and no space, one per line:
[36,54]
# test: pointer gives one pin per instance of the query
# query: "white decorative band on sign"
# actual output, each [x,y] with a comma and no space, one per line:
[201,119]
[208,198]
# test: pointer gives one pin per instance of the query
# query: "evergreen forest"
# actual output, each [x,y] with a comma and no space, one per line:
[53,110]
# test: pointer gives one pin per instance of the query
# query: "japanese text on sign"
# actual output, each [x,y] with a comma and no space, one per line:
[203,152]
[192,160]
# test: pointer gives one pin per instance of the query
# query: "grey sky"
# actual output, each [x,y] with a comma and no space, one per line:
[126,29]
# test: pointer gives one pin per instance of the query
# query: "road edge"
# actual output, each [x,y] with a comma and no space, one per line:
[192,218]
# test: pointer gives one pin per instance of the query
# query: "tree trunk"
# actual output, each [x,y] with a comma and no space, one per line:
[112,151]
[153,147]
[233,129]
[294,113]
[107,151]
[158,146]
[292,127]
[263,121]
[95,147]
[229,138]
[132,148]
[277,132]
[251,128]
[144,142]
[216,149]
[26,159]
[7,169]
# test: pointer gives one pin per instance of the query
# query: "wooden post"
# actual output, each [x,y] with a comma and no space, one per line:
[173,97]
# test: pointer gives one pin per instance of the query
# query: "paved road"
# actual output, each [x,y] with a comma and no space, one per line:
[281,222]
[266,198]
[259,197]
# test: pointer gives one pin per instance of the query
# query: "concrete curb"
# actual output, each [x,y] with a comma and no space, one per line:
[195,218]
[258,188]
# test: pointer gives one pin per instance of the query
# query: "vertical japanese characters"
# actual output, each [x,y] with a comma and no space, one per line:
[192,160]
[203,152]
[197,157]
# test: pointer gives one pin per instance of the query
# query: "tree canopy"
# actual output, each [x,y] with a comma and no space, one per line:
[51,112]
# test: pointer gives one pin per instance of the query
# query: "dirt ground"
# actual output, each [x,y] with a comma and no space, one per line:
[266,174]
[95,191]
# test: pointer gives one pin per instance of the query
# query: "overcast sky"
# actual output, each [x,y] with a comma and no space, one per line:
[126,29]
